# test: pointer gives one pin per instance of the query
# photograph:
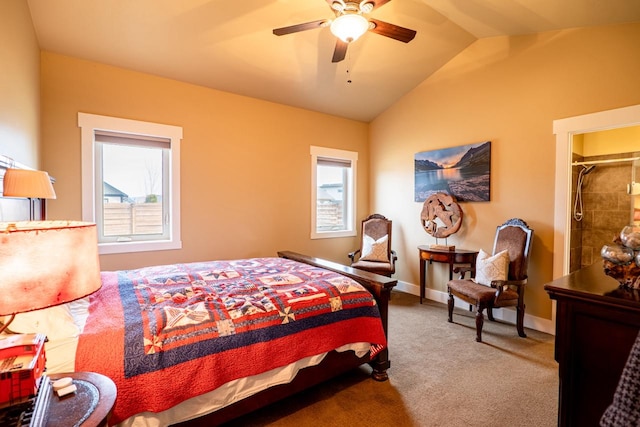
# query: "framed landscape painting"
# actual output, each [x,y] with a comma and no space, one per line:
[463,171]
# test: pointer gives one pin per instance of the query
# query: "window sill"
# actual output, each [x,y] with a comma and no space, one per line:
[126,247]
[332,234]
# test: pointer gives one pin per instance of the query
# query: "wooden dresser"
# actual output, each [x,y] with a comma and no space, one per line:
[596,325]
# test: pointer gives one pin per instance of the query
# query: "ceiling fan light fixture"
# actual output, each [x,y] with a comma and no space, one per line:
[349,27]
[337,5]
[366,6]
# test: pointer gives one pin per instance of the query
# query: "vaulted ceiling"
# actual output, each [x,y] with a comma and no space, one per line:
[229,44]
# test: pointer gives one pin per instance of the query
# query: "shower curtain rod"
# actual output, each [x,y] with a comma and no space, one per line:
[595,162]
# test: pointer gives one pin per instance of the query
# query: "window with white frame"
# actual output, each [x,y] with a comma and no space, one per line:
[333,192]
[131,183]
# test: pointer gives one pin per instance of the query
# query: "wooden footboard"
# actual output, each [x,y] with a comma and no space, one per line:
[379,286]
[333,364]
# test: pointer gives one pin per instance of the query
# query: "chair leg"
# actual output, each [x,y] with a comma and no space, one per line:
[450,306]
[490,314]
[520,321]
[479,324]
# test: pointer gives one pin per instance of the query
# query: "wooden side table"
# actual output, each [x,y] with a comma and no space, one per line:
[89,406]
[454,257]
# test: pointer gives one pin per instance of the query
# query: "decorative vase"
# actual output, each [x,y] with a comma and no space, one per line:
[630,237]
[621,260]
[617,254]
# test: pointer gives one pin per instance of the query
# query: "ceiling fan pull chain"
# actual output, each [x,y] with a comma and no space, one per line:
[349,68]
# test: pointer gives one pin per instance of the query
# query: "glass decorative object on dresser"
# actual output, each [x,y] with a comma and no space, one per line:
[621,259]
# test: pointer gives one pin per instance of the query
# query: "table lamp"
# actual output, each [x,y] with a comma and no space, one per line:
[46,263]
[29,183]
[43,264]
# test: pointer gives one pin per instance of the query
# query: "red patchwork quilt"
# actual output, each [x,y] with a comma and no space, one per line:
[168,333]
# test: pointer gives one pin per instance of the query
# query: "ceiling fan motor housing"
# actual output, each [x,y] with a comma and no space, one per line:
[343,7]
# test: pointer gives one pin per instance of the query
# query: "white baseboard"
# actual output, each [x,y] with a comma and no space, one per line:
[505,314]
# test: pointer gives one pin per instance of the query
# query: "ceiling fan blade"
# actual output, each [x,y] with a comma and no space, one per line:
[340,51]
[393,31]
[300,27]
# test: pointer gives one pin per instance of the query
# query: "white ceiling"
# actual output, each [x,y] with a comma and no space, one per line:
[229,45]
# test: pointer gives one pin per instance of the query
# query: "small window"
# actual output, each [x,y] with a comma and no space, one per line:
[333,192]
[130,183]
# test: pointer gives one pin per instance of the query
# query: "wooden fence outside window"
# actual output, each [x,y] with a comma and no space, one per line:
[125,219]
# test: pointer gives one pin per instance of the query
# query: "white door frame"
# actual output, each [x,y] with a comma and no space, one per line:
[565,129]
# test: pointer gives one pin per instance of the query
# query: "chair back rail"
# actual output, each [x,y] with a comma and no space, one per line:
[515,236]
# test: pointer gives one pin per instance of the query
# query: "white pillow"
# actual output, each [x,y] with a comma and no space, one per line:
[55,322]
[375,250]
[489,268]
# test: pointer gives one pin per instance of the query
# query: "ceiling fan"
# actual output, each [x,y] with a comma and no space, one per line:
[350,23]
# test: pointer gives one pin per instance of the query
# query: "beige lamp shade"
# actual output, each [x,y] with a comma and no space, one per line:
[46,263]
[27,183]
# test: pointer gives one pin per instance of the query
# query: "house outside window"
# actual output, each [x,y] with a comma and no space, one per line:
[333,192]
[130,183]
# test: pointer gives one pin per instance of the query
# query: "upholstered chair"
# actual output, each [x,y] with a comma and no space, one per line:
[497,280]
[375,254]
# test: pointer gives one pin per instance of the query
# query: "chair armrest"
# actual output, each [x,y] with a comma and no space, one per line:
[500,284]
[394,256]
[353,254]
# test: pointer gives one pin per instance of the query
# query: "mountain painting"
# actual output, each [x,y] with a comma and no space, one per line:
[463,171]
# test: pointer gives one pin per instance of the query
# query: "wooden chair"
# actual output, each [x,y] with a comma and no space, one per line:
[515,237]
[375,254]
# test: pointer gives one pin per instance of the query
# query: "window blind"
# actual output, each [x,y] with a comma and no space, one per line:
[342,163]
[111,137]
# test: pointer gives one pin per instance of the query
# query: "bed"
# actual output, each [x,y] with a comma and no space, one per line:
[84,335]
[254,315]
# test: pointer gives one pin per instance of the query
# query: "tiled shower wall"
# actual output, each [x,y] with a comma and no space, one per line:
[607,207]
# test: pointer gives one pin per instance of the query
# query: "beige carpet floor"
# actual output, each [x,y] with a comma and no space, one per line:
[439,376]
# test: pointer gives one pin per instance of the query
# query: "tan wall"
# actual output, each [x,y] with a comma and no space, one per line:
[19,84]
[507,90]
[625,140]
[245,163]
